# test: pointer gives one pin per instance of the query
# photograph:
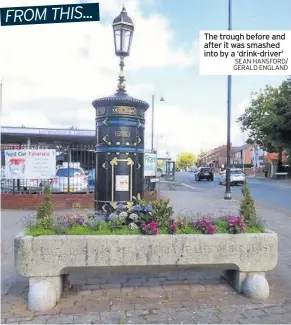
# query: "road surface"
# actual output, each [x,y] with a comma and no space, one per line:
[268,192]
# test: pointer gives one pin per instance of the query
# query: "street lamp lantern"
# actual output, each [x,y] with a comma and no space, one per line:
[123,31]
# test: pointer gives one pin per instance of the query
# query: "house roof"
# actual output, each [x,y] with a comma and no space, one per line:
[240,148]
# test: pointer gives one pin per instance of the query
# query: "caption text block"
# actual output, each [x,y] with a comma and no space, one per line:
[245,52]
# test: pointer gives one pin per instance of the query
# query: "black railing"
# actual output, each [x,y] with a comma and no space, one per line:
[74,172]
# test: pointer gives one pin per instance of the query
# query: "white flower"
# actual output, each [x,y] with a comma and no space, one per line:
[123,214]
[134,217]
[132,226]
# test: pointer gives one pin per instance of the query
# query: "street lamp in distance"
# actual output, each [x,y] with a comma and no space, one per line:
[227,195]
[153,118]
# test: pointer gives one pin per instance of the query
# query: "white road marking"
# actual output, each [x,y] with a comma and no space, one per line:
[186,185]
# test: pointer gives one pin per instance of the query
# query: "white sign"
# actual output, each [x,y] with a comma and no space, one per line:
[150,164]
[245,52]
[30,164]
[122,183]
[18,130]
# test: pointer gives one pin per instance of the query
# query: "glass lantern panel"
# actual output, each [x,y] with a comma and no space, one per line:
[117,40]
[126,40]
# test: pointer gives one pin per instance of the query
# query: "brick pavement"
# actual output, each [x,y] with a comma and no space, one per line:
[175,296]
[151,295]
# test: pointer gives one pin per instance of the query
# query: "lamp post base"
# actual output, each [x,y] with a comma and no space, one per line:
[227,195]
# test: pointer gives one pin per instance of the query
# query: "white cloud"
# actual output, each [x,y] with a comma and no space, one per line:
[51,73]
[177,129]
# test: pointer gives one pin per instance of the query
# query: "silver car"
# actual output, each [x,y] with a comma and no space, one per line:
[70,180]
[237,176]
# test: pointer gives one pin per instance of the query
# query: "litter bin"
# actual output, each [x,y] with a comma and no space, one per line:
[266,173]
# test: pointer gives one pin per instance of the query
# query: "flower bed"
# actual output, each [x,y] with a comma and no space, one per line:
[143,234]
[142,218]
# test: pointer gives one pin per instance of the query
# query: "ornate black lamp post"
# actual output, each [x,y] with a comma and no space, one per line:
[120,123]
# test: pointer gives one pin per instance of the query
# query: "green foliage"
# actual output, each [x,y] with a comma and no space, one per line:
[139,201]
[45,211]
[116,224]
[157,215]
[247,207]
[96,225]
[162,211]
[61,229]
[221,227]
[267,119]
[185,159]
[40,232]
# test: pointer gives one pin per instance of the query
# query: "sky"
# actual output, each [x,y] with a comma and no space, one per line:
[52,73]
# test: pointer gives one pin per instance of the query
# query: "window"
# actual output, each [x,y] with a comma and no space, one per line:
[236,172]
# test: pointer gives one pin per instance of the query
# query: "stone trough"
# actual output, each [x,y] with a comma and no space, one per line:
[44,259]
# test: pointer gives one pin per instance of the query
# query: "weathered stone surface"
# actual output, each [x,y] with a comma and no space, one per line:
[50,255]
[256,286]
[42,296]
[56,283]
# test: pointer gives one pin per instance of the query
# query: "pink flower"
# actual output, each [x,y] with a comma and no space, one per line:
[236,225]
[205,226]
[174,228]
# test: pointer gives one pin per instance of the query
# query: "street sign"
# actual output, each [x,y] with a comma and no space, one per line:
[150,164]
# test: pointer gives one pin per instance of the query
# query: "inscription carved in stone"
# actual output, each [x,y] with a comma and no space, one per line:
[50,255]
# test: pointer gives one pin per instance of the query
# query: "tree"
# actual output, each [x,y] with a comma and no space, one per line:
[267,119]
[185,160]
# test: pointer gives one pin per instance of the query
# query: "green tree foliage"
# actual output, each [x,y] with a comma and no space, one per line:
[247,207]
[268,117]
[45,211]
[186,159]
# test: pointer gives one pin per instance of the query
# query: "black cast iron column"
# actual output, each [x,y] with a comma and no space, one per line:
[120,123]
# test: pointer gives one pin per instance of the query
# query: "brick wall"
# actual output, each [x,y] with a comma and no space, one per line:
[32,201]
[60,201]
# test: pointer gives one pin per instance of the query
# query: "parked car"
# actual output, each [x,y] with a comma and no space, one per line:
[237,176]
[70,180]
[204,173]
